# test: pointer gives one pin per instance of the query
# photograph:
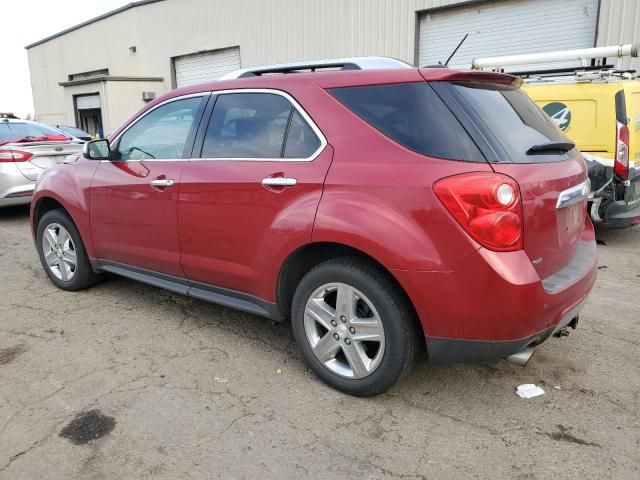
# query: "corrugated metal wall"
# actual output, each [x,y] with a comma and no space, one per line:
[266,31]
[505,27]
[619,24]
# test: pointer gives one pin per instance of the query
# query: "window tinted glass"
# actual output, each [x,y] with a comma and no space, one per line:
[516,121]
[76,132]
[302,142]
[414,116]
[17,131]
[247,125]
[161,134]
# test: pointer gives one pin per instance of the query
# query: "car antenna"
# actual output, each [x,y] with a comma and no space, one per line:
[456,49]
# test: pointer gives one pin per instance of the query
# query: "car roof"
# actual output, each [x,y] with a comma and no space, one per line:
[329,79]
[341,78]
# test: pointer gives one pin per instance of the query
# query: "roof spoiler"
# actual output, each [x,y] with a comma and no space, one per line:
[476,76]
[353,63]
[628,50]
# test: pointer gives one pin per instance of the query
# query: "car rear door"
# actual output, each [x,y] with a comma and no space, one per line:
[134,196]
[250,197]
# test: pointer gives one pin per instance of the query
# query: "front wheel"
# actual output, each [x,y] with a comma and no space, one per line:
[354,326]
[62,252]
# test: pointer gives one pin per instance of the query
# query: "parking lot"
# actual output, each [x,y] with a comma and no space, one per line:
[179,388]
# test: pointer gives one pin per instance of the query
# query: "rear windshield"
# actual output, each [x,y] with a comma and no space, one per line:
[514,119]
[459,121]
[19,131]
[413,115]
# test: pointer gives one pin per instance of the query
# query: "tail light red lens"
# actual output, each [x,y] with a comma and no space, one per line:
[621,163]
[488,206]
[7,155]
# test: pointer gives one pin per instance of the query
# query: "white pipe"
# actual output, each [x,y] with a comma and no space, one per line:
[629,50]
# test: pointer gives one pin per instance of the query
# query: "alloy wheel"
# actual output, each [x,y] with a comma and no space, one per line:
[344,330]
[59,252]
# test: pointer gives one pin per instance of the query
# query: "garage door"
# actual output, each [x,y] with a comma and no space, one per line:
[507,27]
[87,102]
[205,67]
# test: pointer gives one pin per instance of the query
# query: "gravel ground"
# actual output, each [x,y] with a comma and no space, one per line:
[129,381]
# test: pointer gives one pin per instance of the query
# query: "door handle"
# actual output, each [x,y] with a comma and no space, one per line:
[162,182]
[279,182]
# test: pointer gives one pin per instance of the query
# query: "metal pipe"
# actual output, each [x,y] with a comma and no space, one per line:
[628,50]
[521,358]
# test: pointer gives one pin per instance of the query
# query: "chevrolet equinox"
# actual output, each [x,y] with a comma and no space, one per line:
[381,209]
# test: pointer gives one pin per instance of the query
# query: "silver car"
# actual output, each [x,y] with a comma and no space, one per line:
[26,150]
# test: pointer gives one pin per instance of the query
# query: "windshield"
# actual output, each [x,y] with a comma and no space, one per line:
[16,131]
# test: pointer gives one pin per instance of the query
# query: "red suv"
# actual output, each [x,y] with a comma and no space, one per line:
[378,210]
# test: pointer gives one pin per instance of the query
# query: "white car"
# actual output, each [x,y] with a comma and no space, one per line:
[26,150]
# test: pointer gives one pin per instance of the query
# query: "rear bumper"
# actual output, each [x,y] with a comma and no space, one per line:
[447,350]
[495,304]
[617,216]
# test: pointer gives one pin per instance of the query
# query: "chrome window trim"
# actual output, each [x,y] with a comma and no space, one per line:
[574,194]
[294,103]
[168,100]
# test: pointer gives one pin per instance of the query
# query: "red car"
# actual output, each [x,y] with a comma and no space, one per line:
[378,210]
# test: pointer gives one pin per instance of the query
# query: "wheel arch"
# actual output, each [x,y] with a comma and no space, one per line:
[299,262]
[44,205]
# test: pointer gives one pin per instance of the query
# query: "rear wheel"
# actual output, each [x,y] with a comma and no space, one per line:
[62,252]
[353,326]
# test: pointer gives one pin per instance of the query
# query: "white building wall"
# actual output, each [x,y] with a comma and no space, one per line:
[271,31]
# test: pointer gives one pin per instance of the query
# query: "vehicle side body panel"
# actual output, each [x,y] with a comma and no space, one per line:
[236,233]
[69,184]
[132,222]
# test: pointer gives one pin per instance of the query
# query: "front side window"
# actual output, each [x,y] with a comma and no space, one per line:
[162,133]
[257,125]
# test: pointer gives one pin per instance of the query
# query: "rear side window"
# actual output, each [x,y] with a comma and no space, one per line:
[301,141]
[413,115]
[257,125]
[514,119]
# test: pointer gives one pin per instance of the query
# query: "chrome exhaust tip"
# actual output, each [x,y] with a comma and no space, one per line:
[522,357]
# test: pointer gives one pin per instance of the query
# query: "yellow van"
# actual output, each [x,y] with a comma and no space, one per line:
[601,114]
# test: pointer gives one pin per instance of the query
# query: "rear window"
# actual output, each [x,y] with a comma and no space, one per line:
[18,131]
[413,115]
[514,119]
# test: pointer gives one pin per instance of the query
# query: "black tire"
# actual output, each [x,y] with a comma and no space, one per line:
[401,332]
[83,276]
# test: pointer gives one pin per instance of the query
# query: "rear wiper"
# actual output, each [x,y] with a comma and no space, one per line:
[562,146]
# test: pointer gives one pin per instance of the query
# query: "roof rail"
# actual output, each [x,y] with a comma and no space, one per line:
[353,63]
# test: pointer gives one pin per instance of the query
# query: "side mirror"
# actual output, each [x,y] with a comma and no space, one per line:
[97,150]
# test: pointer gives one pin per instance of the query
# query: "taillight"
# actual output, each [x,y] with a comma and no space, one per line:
[621,163]
[487,206]
[14,156]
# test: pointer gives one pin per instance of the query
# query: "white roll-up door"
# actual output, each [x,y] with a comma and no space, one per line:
[205,67]
[507,27]
[87,102]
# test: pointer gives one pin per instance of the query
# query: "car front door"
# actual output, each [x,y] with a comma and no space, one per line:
[134,196]
[252,194]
